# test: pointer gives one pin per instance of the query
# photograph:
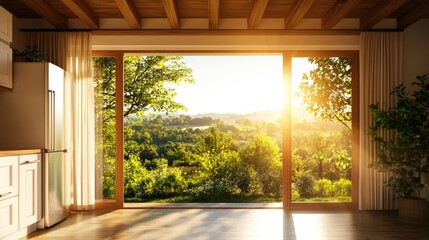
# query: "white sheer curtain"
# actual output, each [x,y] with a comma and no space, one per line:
[72,52]
[79,67]
[381,70]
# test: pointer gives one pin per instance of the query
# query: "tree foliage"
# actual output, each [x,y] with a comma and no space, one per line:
[327,90]
[148,83]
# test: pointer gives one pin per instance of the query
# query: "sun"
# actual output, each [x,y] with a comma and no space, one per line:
[233,84]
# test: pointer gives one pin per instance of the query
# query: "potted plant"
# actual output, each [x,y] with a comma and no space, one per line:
[403,151]
[30,54]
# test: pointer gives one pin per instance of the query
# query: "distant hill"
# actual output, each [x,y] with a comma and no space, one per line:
[299,114]
[265,115]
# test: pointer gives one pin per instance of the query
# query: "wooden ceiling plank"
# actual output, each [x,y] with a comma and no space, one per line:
[338,12]
[413,16]
[129,11]
[47,12]
[380,11]
[83,11]
[299,9]
[171,12]
[256,14]
[213,14]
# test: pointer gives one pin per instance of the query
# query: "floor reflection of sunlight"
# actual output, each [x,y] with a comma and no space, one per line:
[313,225]
[307,226]
[268,223]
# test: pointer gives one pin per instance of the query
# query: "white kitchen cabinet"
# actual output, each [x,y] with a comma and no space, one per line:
[30,182]
[8,195]
[5,66]
[5,50]
[5,25]
[20,193]
[8,177]
[9,216]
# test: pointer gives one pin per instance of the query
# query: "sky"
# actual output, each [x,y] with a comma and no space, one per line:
[233,84]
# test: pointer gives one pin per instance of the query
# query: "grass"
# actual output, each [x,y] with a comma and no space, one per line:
[324,199]
[221,199]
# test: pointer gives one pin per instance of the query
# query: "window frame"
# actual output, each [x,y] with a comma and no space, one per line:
[287,129]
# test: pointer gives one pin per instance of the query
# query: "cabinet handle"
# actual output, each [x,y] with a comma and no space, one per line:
[29,162]
[5,194]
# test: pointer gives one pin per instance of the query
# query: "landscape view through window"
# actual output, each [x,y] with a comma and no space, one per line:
[210,129]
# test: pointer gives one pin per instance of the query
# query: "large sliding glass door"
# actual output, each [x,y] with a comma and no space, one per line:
[107,77]
[320,134]
[320,129]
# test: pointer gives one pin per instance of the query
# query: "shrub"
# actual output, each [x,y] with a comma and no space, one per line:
[272,181]
[223,174]
[162,182]
[305,184]
[323,187]
[295,195]
[342,187]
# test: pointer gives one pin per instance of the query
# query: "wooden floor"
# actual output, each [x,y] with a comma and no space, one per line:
[247,224]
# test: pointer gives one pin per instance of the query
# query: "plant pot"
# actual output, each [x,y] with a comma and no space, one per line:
[413,210]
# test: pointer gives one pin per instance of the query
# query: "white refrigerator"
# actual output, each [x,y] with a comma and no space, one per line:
[32,117]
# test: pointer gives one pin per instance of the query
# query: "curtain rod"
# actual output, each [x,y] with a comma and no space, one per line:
[55,30]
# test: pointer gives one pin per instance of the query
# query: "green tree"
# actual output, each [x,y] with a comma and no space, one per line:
[223,174]
[263,155]
[215,141]
[148,83]
[327,90]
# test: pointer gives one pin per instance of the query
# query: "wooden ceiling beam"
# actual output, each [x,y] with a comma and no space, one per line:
[47,12]
[414,15]
[338,12]
[213,6]
[83,11]
[299,9]
[129,11]
[171,12]
[256,14]
[380,11]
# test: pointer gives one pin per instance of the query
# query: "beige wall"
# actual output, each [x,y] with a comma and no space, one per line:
[416,59]
[19,37]
[416,50]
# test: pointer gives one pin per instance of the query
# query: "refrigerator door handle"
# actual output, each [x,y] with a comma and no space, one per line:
[51,117]
[50,113]
[53,130]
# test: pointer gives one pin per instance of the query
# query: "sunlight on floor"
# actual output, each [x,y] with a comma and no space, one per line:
[231,224]
[172,224]
[313,225]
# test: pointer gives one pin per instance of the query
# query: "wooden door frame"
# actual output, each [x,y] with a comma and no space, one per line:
[119,118]
[287,141]
[287,138]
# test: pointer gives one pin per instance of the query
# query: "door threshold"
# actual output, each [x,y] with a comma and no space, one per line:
[204,205]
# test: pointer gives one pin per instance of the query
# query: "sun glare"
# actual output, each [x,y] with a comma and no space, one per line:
[233,84]
[299,67]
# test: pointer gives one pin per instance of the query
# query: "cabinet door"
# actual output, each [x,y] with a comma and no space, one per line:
[5,65]
[5,25]
[8,216]
[8,177]
[29,193]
